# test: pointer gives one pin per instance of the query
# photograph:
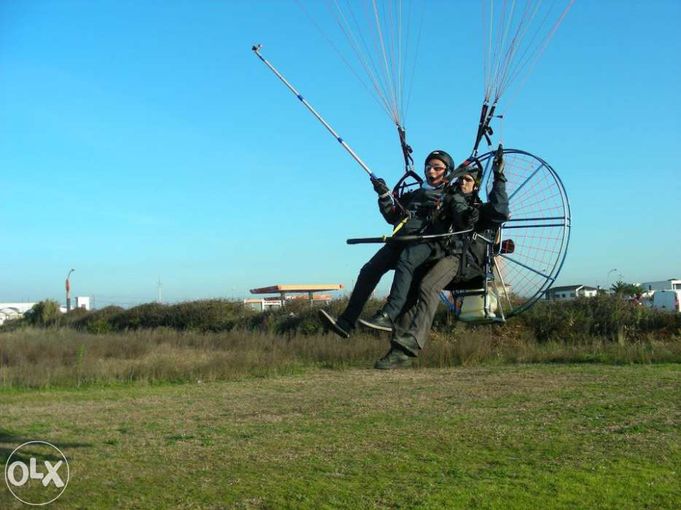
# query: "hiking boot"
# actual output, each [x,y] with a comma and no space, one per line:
[379,321]
[396,358]
[340,327]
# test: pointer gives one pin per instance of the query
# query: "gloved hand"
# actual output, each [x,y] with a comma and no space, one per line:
[380,186]
[454,202]
[498,164]
[470,217]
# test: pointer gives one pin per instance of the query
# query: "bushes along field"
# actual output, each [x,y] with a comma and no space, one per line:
[218,340]
[603,317]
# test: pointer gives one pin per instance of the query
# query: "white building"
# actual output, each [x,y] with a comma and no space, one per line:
[570,292]
[671,284]
[260,305]
[10,311]
[83,302]
[269,303]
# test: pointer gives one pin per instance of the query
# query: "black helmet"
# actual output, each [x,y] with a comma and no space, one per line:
[442,156]
[445,158]
[471,168]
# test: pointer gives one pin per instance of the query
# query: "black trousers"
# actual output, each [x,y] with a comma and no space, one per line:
[413,324]
[383,261]
[412,257]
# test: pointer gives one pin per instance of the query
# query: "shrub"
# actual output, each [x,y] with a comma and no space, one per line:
[207,315]
[298,317]
[146,316]
[305,322]
[72,316]
[45,313]
[603,316]
[98,321]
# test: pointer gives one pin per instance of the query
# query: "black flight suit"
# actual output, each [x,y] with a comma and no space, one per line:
[414,323]
[421,205]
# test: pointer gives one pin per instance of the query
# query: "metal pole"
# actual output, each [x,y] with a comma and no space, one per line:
[607,279]
[256,50]
[68,291]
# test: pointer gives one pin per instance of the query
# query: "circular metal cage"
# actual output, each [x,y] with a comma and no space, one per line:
[533,242]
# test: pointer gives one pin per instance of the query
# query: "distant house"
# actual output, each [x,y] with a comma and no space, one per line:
[570,292]
[10,311]
[671,284]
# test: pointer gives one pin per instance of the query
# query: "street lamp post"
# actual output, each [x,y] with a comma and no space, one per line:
[607,279]
[620,276]
[68,291]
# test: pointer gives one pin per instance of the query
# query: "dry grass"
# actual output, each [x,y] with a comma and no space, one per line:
[63,357]
[41,358]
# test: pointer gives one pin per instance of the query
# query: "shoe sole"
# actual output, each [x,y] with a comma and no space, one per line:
[375,326]
[331,322]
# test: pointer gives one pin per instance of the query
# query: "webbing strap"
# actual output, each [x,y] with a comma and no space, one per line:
[484,129]
[406,149]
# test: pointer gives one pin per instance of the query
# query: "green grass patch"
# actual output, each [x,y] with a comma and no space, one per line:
[523,436]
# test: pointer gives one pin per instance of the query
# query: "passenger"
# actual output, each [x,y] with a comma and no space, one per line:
[464,262]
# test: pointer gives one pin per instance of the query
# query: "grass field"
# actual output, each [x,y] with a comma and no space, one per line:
[518,436]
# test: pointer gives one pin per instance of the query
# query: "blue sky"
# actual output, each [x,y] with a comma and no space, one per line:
[143,140]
